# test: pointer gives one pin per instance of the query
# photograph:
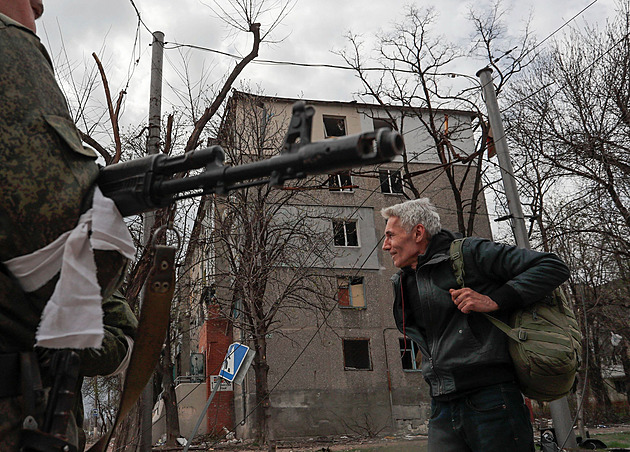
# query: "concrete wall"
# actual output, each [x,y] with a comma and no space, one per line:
[191,398]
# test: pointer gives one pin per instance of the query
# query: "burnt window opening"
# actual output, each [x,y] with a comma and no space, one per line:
[345,233]
[391,181]
[356,354]
[379,123]
[334,126]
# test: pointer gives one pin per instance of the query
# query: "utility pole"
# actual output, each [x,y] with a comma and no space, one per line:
[153,141]
[560,413]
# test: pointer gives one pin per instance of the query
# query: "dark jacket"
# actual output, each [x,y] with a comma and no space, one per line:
[462,352]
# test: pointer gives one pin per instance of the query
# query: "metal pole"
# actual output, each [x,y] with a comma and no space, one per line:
[505,163]
[560,412]
[155,111]
[203,413]
[153,140]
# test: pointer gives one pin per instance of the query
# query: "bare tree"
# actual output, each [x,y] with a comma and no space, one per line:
[412,70]
[568,124]
[269,246]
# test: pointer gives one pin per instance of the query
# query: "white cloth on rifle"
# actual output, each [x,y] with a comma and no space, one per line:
[73,317]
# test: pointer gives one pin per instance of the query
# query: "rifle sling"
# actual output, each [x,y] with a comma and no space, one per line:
[154,318]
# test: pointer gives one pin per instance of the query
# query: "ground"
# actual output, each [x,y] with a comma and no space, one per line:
[398,443]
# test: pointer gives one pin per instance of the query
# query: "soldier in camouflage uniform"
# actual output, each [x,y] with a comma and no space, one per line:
[46,183]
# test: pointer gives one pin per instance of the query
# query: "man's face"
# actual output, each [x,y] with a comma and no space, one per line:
[403,246]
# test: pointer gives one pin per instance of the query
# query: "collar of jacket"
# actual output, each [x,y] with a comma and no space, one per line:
[438,249]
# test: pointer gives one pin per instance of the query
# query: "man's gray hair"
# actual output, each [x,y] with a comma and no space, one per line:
[416,211]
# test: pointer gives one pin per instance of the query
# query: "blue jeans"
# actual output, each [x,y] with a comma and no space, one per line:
[492,419]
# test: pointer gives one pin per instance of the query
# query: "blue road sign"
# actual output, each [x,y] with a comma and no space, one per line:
[233,360]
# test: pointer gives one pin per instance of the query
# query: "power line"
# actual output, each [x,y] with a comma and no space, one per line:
[553,82]
[557,30]
[175,45]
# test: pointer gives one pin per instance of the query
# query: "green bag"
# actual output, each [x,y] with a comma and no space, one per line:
[545,340]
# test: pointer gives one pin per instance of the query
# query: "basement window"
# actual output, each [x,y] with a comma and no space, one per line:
[409,354]
[334,126]
[356,354]
[350,292]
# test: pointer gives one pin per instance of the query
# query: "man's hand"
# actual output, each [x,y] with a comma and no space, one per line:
[467,300]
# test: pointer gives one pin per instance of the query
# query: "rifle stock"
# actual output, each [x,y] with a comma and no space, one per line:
[151,182]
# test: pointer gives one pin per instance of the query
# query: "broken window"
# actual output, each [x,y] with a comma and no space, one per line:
[356,354]
[391,182]
[350,292]
[345,233]
[334,126]
[379,123]
[340,181]
[409,354]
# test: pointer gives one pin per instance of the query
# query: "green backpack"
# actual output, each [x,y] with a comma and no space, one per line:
[545,340]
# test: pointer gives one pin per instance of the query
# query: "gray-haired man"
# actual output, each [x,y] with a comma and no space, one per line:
[476,404]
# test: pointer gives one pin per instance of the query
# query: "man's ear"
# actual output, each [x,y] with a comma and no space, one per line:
[419,232]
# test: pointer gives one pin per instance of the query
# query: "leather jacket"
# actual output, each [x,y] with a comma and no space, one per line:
[464,352]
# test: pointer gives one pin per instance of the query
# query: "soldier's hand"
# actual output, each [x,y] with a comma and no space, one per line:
[467,300]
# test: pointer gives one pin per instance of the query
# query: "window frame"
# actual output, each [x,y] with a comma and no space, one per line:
[344,223]
[414,351]
[349,282]
[389,173]
[338,118]
[339,187]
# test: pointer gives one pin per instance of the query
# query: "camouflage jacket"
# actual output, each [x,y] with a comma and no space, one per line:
[46,177]
[46,180]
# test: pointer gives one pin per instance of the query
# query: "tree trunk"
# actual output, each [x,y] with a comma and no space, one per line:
[169,396]
[261,370]
[127,435]
[625,361]
[597,385]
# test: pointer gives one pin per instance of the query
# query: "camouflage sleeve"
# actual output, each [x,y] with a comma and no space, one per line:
[119,322]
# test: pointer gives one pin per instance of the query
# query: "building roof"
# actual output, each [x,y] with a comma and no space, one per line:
[348,103]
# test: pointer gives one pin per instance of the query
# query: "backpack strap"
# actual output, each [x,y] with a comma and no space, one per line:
[457,263]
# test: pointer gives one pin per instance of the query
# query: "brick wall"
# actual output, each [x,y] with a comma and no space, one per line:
[214,340]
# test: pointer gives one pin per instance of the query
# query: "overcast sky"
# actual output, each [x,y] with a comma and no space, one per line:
[73,29]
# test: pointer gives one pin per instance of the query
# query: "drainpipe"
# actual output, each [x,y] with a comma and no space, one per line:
[389,378]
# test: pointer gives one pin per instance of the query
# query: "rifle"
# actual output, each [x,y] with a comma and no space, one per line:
[150,182]
[51,435]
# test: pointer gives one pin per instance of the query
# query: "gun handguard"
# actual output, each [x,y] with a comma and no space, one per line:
[149,183]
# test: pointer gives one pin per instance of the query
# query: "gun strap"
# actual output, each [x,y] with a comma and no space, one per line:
[154,317]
